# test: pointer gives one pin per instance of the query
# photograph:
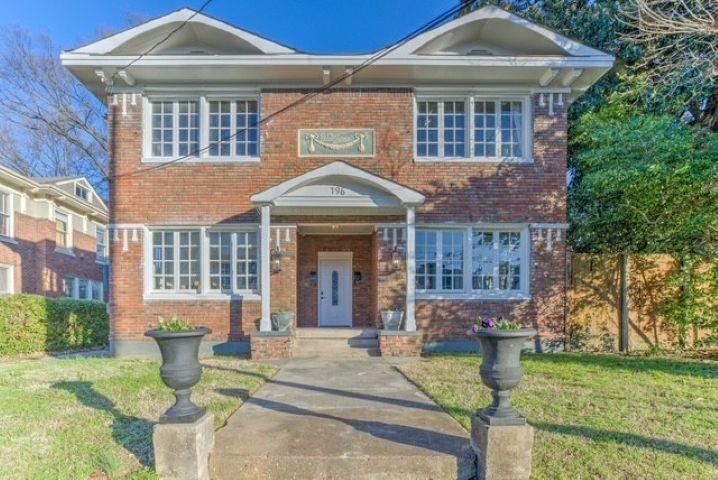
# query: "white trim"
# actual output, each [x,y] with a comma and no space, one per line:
[107,45]
[410,238]
[184,297]
[10,278]
[265,235]
[404,194]
[334,255]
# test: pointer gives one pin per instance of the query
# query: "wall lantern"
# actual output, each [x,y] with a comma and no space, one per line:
[276,258]
[398,254]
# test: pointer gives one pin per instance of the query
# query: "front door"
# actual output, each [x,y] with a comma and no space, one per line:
[335,292]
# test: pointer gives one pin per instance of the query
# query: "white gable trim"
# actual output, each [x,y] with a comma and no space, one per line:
[405,195]
[572,47]
[110,43]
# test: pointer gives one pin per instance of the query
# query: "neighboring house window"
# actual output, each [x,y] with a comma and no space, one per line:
[233,128]
[62,230]
[6,279]
[69,287]
[82,289]
[96,291]
[228,261]
[175,260]
[101,237]
[491,262]
[471,129]
[82,192]
[5,214]
[440,260]
[174,128]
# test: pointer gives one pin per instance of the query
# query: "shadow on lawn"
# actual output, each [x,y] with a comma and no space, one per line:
[132,433]
[679,368]
[598,435]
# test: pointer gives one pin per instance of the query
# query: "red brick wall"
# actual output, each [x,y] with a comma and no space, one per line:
[39,269]
[461,192]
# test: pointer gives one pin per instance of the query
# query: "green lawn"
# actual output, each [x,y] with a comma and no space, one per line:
[92,418]
[598,416]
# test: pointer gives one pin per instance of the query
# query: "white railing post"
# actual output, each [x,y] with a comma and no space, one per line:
[410,323]
[265,324]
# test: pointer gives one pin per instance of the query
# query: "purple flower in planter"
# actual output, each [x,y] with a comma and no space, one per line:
[488,323]
[475,328]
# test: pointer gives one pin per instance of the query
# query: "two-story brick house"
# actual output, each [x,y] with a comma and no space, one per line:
[433,180]
[53,237]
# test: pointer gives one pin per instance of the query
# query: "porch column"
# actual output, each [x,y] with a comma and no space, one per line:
[410,323]
[265,324]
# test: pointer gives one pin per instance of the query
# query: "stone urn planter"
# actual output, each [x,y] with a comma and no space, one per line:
[283,320]
[391,319]
[180,370]
[501,371]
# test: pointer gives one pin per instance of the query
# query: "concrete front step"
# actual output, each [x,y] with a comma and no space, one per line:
[336,343]
[364,467]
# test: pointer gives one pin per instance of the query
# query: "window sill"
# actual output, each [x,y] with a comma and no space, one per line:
[478,160]
[203,160]
[183,297]
[6,239]
[471,296]
[65,251]
[102,262]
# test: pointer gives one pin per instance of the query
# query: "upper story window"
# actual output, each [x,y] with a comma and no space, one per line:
[472,128]
[5,214]
[214,128]
[490,262]
[63,235]
[82,192]
[101,238]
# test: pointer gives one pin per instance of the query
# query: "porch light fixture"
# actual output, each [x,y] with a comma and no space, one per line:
[398,254]
[276,258]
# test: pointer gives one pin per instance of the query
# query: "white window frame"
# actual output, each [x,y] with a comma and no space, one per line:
[10,205]
[175,260]
[203,104]
[526,124]
[102,255]
[204,292]
[10,279]
[88,194]
[439,230]
[468,293]
[69,233]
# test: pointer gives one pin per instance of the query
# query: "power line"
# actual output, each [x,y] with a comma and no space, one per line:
[369,61]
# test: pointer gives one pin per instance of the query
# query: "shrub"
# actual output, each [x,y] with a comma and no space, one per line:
[32,323]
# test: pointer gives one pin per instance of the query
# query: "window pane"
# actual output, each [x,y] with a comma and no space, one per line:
[101,237]
[482,260]
[5,214]
[509,271]
[247,261]
[454,131]
[485,129]
[427,129]
[189,261]
[162,260]
[188,128]
[82,292]
[426,255]
[4,280]
[220,264]
[61,230]
[452,250]
[511,129]
[220,131]
[247,140]
[162,129]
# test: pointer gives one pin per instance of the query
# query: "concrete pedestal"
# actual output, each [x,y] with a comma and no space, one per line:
[182,449]
[503,452]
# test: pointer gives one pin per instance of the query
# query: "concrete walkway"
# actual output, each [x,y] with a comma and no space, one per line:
[341,418]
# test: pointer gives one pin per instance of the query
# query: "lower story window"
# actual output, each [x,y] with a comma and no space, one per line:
[229,263]
[6,280]
[83,289]
[475,260]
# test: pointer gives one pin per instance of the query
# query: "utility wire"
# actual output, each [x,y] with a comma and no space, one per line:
[439,19]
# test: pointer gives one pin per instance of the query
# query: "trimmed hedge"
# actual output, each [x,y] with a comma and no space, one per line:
[33,323]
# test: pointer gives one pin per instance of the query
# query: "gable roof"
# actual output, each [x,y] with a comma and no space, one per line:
[216,35]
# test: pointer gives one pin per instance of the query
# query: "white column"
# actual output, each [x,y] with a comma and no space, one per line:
[265,324]
[410,323]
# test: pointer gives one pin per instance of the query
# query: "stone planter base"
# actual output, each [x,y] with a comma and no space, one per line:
[182,450]
[502,451]
[272,345]
[399,343]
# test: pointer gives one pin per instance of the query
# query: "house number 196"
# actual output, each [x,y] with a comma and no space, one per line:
[337,191]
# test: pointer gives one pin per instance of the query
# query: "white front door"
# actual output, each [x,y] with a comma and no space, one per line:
[335,292]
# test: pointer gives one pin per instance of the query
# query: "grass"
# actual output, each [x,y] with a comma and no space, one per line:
[92,418]
[598,416]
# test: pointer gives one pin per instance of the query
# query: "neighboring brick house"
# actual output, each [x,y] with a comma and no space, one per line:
[53,237]
[433,180]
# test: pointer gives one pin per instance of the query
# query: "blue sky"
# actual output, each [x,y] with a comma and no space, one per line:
[316,26]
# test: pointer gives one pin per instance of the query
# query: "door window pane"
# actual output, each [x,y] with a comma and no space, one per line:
[335,288]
